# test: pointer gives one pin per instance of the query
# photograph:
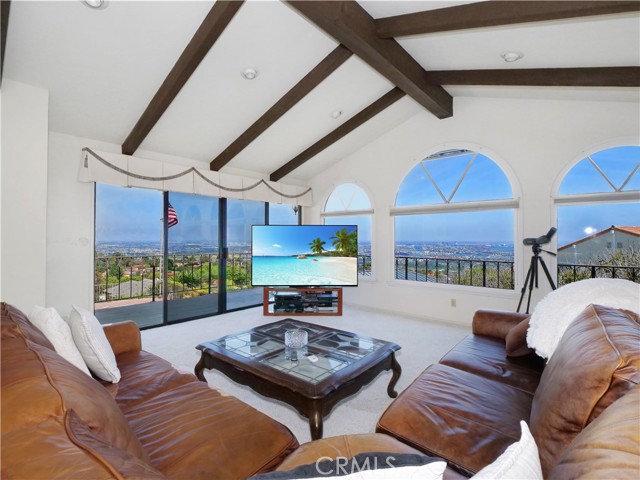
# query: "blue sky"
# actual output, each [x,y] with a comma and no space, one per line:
[128,214]
[133,214]
[485,181]
[279,240]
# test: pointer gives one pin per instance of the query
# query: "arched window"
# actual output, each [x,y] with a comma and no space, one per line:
[598,208]
[455,222]
[349,204]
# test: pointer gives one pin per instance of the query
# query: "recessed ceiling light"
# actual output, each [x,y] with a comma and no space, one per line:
[249,73]
[93,3]
[336,113]
[511,57]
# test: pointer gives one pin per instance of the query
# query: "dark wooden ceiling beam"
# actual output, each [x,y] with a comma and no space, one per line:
[5,6]
[347,127]
[352,26]
[547,77]
[209,31]
[494,13]
[310,81]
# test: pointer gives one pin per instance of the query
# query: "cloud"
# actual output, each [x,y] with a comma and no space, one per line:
[275,245]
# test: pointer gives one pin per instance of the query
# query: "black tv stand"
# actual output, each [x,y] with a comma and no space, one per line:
[302,301]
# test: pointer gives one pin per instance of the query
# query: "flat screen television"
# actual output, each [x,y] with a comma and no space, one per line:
[304,255]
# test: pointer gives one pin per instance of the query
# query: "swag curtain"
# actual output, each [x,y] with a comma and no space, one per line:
[129,171]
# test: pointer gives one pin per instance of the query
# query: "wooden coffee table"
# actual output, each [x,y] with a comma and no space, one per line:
[334,365]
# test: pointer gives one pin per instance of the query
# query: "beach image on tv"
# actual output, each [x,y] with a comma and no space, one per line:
[304,255]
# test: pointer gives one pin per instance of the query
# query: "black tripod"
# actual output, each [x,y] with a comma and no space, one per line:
[532,274]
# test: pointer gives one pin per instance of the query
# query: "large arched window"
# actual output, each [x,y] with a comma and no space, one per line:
[455,222]
[598,204]
[349,204]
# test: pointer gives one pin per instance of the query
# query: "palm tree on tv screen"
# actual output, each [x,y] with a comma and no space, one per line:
[345,242]
[317,246]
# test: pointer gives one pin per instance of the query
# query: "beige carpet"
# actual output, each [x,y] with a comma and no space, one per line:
[423,342]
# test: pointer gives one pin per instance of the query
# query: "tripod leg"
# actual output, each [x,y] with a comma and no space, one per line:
[534,278]
[524,287]
[546,271]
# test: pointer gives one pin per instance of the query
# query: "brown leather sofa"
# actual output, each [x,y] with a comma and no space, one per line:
[582,407]
[155,423]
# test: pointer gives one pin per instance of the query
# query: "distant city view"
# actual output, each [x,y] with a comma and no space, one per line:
[140,248]
[459,250]
[500,251]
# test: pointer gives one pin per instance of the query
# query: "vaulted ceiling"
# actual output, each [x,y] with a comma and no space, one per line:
[166,77]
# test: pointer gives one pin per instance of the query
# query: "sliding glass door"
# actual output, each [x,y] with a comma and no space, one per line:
[169,257]
[192,256]
[128,267]
[241,214]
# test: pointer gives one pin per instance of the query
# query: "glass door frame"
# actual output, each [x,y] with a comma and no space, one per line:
[222,257]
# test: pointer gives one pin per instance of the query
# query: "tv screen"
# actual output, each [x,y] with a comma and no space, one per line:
[304,255]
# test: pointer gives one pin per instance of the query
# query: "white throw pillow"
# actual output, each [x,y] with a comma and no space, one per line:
[51,324]
[555,312]
[93,344]
[519,461]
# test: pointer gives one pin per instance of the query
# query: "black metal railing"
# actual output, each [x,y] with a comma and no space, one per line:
[141,277]
[456,271]
[120,277]
[568,273]
[364,265]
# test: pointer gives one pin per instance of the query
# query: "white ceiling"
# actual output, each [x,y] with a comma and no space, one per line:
[102,67]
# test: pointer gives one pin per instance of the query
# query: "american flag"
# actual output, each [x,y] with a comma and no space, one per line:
[172,217]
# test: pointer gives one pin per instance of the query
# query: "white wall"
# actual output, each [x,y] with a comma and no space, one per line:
[24,194]
[70,225]
[532,140]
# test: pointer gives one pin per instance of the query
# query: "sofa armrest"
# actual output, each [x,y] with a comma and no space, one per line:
[495,323]
[123,337]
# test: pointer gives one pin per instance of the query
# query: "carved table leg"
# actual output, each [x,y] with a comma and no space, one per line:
[397,370]
[199,370]
[315,422]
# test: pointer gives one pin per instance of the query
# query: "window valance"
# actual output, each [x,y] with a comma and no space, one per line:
[130,171]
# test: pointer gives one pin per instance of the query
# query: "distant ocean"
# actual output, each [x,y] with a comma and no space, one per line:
[496,251]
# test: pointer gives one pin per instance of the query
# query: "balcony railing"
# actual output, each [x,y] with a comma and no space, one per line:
[364,265]
[568,273]
[478,273]
[141,276]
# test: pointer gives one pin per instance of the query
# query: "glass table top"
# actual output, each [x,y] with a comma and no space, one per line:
[328,350]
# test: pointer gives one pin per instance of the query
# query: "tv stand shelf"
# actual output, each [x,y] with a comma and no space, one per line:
[302,301]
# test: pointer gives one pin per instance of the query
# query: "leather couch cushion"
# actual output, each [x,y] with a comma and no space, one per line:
[347,446]
[445,412]
[485,356]
[16,324]
[93,404]
[495,323]
[595,363]
[145,376]
[120,462]
[23,376]
[44,451]
[609,447]
[182,427]
[516,340]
